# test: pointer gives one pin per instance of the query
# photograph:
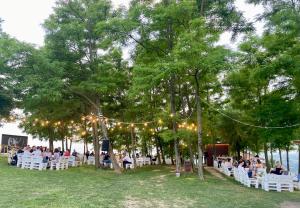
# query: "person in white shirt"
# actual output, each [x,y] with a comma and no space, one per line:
[37,152]
[26,152]
[228,164]
[126,160]
[56,154]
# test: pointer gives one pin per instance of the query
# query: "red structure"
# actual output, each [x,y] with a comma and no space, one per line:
[219,149]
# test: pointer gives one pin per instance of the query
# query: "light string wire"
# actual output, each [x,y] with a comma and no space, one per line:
[188,117]
[248,124]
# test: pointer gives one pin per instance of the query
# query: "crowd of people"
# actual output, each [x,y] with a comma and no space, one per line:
[253,166]
[39,151]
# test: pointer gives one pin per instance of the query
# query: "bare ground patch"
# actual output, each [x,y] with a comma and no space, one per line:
[134,202]
[288,204]
[215,173]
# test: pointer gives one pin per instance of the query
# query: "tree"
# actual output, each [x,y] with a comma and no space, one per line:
[12,55]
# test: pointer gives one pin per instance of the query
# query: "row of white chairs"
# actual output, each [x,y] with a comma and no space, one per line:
[268,182]
[38,163]
[224,169]
[139,162]
[241,175]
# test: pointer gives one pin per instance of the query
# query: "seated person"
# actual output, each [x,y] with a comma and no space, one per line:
[249,168]
[219,162]
[56,154]
[26,151]
[258,164]
[46,155]
[126,160]
[74,153]
[106,159]
[87,154]
[242,164]
[228,164]
[277,169]
[67,153]
[37,152]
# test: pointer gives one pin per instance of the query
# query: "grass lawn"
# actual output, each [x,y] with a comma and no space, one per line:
[146,187]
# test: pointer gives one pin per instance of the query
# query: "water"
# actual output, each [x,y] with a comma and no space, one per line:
[293,156]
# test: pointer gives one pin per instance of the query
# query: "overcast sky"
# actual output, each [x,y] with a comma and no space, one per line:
[23,19]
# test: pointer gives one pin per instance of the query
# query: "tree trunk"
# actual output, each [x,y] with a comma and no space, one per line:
[96,145]
[84,149]
[133,145]
[191,155]
[51,144]
[272,160]
[280,156]
[66,143]
[162,151]
[105,135]
[266,157]
[157,150]
[199,129]
[71,142]
[62,144]
[174,125]
[287,159]
[144,147]
[172,153]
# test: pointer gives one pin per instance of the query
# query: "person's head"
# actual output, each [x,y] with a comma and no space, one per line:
[278,163]
[228,160]
[258,161]
[56,150]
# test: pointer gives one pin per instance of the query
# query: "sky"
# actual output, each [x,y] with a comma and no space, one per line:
[23,20]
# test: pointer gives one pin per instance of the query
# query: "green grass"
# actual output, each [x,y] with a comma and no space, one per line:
[146,187]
